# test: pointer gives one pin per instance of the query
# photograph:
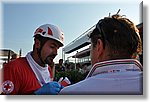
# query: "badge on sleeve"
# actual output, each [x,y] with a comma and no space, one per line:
[7,87]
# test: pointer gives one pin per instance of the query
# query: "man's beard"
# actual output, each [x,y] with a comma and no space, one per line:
[49,59]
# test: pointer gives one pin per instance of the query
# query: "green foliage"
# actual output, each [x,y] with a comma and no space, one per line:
[74,76]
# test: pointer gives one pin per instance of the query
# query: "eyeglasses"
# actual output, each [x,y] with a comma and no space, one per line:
[101,32]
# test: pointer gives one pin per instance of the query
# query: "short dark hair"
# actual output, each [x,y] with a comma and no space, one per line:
[119,34]
[42,40]
[60,60]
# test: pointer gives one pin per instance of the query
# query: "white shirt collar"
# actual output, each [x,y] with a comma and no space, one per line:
[42,73]
[112,66]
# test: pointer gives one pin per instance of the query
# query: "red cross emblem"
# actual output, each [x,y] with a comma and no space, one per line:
[49,31]
[39,30]
[7,87]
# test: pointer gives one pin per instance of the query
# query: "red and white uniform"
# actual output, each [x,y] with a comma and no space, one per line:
[110,77]
[20,78]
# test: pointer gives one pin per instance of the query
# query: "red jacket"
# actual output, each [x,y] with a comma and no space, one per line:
[19,78]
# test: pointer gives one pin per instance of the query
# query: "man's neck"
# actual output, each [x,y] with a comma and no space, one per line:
[37,59]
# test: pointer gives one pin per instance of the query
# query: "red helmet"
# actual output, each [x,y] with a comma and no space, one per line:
[51,31]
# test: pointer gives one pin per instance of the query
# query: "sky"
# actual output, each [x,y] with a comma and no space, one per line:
[20,19]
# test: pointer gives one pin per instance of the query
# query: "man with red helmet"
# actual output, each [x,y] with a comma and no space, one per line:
[31,74]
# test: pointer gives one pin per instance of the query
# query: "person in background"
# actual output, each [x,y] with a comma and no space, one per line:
[67,67]
[31,74]
[78,67]
[59,70]
[60,67]
[14,56]
[115,43]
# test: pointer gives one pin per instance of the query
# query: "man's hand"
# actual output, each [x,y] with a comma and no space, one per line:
[51,88]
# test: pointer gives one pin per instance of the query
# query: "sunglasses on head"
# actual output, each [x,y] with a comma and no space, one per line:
[101,32]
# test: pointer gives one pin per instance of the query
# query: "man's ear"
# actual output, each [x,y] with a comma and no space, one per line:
[37,43]
[99,47]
